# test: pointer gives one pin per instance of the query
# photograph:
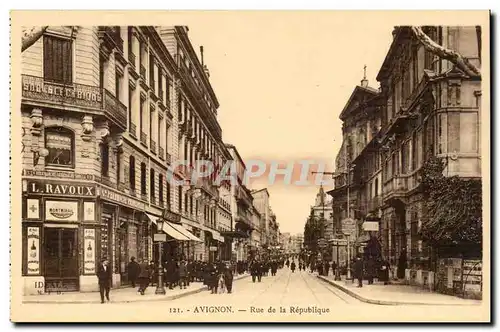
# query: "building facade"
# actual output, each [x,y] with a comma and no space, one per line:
[104,119]
[262,205]
[242,207]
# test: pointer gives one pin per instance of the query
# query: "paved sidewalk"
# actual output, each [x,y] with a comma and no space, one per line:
[395,294]
[121,295]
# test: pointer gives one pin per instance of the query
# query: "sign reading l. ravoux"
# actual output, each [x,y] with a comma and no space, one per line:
[61,189]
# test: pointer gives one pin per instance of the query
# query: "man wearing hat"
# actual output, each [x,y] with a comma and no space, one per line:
[104,276]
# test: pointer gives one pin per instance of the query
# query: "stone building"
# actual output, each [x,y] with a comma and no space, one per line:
[431,108]
[107,111]
[242,207]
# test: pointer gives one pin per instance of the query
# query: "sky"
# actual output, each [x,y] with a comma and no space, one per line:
[282,81]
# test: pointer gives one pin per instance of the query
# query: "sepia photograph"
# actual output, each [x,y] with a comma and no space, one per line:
[250,166]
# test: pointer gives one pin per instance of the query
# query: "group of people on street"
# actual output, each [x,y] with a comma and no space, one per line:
[259,268]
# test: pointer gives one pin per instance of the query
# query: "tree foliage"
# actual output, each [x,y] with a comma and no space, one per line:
[30,35]
[454,207]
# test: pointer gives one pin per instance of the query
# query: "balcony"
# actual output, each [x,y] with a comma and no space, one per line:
[152,145]
[144,139]
[82,97]
[133,130]
[395,189]
[131,58]
[161,153]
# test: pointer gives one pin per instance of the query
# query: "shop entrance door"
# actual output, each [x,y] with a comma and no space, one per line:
[61,259]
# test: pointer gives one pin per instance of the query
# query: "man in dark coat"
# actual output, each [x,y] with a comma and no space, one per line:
[144,276]
[292,266]
[133,271]
[358,271]
[274,268]
[320,268]
[384,271]
[255,270]
[370,270]
[402,264]
[190,271]
[228,278]
[183,275]
[104,275]
[171,268]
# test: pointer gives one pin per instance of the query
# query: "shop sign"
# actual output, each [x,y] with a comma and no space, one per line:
[370,226]
[33,243]
[60,189]
[124,200]
[59,175]
[160,237]
[61,211]
[213,248]
[171,216]
[89,211]
[89,243]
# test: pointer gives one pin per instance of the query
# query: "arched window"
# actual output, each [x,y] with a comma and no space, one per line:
[131,174]
[143,179]
[60,142]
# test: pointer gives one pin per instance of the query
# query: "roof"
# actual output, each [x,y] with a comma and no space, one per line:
[259,190]
[398,33]
[358,91]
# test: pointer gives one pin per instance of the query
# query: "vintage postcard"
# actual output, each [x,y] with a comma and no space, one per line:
[260,166]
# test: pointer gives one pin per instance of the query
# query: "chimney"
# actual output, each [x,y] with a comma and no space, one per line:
[364,81]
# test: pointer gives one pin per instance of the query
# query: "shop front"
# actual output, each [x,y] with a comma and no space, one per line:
[57,216]
[124,232]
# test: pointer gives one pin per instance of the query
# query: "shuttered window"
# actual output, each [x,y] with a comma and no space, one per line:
[57,60]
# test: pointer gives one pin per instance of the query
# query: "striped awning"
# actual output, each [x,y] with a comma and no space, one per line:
[181,229]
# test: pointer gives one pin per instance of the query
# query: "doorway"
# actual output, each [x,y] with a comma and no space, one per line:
[61,259]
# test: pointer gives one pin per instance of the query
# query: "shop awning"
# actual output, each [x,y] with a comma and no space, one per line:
[173,232]
[152,218]
[169,229]
[181,229]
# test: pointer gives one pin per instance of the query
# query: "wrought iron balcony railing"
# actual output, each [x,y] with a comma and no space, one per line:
[36,89]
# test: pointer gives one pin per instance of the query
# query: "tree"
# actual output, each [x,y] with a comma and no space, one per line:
[30,35]
[454,57]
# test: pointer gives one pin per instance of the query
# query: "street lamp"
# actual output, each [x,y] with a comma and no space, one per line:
[160,237]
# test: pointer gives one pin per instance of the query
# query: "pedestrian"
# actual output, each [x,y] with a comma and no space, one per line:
[144,276]
[287,263]
[320,268]
[384,273]
[274,268]
[254,270]
[228,279]
[358,271]
[133,271]
[189,270]
[326,267]
[292,266]
[183,275]
[171,273]
[334,268]
[370,270]
[153,273]
[104,276]
[402,264]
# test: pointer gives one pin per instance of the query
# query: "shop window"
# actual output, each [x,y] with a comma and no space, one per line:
[131,174]
[143,179]
[59,142]
[152,184]
[105,159]
[58,59]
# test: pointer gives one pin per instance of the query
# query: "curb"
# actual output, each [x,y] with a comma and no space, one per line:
[140,299]
[382,302]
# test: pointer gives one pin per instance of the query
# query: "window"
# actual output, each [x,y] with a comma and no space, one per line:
[152,72]
[131,174]
[60,143]
[141,118]
[167,89]
[180,199]
[376,187]
[152,184]
[160,187]
[104,159]
[160,132]
[143,179]
[130,98]
[151,122]
[185,202]
[58,59]
[168,193]
[191,205]
[118,87]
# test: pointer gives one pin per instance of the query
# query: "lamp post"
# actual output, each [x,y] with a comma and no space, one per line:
[160,290]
